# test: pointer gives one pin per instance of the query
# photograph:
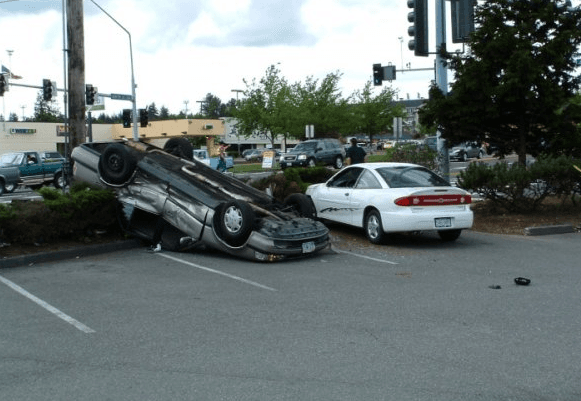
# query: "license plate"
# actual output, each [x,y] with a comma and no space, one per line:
[442,222]
[288,164]
[308,247]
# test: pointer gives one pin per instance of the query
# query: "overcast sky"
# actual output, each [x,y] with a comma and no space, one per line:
[184,49]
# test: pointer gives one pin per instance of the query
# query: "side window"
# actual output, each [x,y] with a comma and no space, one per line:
[368,181]
[346,179]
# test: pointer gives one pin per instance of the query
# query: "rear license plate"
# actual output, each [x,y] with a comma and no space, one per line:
[443,222]
[308,247]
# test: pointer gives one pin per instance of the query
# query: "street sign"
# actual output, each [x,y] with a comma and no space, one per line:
[117,96]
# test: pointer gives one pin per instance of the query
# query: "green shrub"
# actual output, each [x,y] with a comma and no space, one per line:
[517,188]
[293,180]
[412,153]
[59,215]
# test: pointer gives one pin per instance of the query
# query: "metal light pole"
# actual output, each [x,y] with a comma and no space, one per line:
[238,133]
[133,86]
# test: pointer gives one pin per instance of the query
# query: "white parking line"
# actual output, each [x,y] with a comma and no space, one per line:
[243,280]
[46,306]
[366,257]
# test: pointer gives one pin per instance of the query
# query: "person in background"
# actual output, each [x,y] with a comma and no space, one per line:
[355,154]
[222,160]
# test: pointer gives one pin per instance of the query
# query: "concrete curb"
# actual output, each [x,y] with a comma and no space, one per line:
[548,230]
[77,252]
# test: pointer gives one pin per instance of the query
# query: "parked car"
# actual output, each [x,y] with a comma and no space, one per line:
[309,153]
[258,154]
[34,171]
[383,198]
[204,157]
[9,174]
[466,150]
[51,156]
[167,196]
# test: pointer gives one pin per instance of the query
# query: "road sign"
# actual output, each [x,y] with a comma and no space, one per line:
[117,96]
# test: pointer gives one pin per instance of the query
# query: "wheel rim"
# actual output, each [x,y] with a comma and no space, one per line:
[9,187]
[233,219]
[115,163]
[311,163]
[339,162]
[373,226]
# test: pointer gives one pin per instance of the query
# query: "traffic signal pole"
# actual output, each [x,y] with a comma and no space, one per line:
[442,82]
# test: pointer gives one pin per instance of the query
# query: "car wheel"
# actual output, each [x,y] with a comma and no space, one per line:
[338,162]
[2,189]
[302,204]
[59,181]
[9,188]
[179,147]
[480,154]
[449,235]
[464,157]
[234,222]
[311,162]
[116,164]
[374,228]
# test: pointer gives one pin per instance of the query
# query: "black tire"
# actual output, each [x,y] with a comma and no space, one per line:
[234,221]
[374,227]
[116,164]
[2,188]
[311,162]
[179,147]
[59,181]
[449,235]
[338,162]
[464,157]
[9,188]
[302,204]
[480,154]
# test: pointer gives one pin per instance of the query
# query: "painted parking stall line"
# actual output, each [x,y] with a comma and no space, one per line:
[80,326]
[243,280]
[365,257]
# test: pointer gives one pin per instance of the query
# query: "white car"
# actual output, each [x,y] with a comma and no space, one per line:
[383,198]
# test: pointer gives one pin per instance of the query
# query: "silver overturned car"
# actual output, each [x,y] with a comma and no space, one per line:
[167,196]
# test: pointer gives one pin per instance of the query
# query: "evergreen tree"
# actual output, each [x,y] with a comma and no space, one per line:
[510,88]
[47,112]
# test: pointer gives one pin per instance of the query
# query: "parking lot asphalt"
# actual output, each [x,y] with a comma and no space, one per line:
[88,250]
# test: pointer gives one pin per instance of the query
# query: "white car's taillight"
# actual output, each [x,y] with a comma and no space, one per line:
[433,200]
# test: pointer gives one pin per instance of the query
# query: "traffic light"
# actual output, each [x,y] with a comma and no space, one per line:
[90,92]
[377,74]
[462,19]
[47,90]
[2,85]
[143,117]
[126,118]
[419,30]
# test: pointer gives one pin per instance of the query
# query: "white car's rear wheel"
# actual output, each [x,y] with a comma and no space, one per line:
[374,228]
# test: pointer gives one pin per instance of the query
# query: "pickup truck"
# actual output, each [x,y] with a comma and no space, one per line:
[34,172]
[9,178]
[202,155]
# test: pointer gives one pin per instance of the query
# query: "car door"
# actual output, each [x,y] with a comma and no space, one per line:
[366,190]
[334,199]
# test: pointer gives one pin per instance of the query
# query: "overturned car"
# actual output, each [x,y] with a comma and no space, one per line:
[167,196]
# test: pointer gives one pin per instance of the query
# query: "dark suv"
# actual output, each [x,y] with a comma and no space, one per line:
[309,153]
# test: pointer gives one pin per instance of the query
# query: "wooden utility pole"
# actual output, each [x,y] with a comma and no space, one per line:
[76,71]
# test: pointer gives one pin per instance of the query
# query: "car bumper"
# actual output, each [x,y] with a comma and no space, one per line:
[418,219]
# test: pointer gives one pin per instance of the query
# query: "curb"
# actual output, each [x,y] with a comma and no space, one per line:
[72,253]
[548,230]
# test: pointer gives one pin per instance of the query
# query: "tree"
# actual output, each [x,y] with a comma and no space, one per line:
[13,117]
[511,87]
[374,114]
[152,112]
[47,112]
[163,113]
[265,106]
[212,107]
[319,104]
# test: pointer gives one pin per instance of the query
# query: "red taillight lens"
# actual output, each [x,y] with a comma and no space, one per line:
[434,200]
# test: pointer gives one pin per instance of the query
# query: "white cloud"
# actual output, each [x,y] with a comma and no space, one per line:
[183,50]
